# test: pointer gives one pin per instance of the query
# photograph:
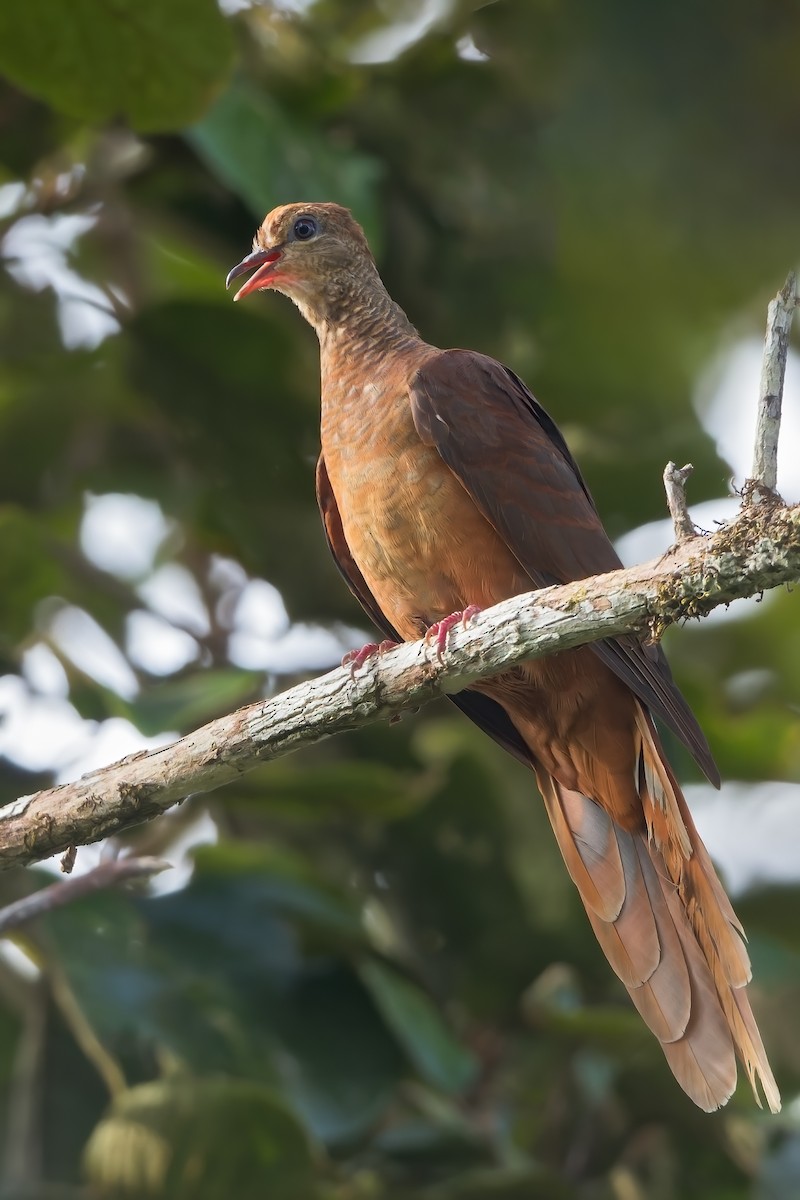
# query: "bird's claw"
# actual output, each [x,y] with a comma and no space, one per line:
[355,659]
[440,629]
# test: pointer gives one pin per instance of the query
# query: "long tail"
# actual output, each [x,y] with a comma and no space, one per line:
[666,926]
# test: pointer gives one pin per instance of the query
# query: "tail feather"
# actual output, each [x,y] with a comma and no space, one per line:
[719,934]
[666,926]
[686,857]
[594,859]
[754,1056]
[671,981]
[703,1060]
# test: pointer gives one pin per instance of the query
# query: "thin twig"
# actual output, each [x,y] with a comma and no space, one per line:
[764,478]
[22,1161]
[760,550]
[675,487]
[56,895]
[81,1028]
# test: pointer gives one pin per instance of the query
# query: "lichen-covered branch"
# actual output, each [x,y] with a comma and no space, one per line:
[760,550]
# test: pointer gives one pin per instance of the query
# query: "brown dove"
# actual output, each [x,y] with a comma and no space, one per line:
[445,487]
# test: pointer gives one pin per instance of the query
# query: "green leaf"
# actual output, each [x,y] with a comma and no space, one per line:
[74,1096]
[779,1174]
[28,572]
[99,941]
[341,1066]
[278,881]
[268,158]
[193,358]
[142,995]
[438,1145]
[156,63]
[10,1031]
[334,791]
[200,1139]
[503,1184]
[419,1027]
[193,699]
[770,913]
[449,866]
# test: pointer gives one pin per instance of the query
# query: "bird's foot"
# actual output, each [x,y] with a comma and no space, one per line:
[355,659]
[440,629]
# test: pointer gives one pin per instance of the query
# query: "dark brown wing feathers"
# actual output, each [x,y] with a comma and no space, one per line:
[500,443]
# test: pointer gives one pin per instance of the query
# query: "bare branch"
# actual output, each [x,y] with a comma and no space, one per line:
[675,487]
[760,550]
[764,477]
[106,874]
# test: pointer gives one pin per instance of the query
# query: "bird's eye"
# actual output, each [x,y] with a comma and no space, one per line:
[304,228]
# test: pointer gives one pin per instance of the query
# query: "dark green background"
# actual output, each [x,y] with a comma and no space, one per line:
[378,984]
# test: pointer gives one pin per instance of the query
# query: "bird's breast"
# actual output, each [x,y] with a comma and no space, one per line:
[421,544]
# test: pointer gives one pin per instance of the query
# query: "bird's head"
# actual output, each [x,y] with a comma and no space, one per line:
[316,254]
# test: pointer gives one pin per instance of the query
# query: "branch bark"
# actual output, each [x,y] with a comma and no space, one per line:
[760,550]
[675,487]
[764,479]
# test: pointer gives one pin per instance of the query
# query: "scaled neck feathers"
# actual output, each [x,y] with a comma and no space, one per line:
[357,313]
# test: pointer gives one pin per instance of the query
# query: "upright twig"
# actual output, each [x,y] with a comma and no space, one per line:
[675,487]
[764,478]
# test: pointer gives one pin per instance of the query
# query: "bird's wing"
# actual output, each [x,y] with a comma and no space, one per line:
[510,456]
[491,718]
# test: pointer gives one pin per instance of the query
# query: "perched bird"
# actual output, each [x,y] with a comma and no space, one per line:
[445,486]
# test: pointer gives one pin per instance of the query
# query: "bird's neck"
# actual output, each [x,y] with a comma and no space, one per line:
[365,339]
[361,321]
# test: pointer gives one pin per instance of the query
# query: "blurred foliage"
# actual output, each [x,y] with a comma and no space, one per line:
[378,983]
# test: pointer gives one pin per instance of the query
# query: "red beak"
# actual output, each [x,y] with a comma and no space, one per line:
[264,260]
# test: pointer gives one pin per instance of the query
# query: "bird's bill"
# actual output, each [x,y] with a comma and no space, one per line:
[263,261]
